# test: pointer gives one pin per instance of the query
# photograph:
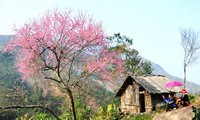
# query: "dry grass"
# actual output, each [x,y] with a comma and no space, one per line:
[197,102]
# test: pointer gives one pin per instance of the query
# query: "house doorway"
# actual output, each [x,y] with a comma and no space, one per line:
[142,103]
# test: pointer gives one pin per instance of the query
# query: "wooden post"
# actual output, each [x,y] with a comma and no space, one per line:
[137,97]
[148,102]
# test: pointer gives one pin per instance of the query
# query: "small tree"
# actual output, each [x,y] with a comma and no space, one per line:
[190,43]
[64,51]
[134,64]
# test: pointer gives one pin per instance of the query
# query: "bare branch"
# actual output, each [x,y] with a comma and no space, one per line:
[31,106]
[53,79]
[191,45]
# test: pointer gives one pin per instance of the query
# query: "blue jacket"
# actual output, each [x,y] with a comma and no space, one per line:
[170,101]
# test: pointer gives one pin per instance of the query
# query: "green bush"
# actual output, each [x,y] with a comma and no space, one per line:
[108,112]
[192,97]
[139,117]
[82,111]
[41,116]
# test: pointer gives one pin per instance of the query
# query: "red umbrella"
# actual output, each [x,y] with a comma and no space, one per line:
[173,84]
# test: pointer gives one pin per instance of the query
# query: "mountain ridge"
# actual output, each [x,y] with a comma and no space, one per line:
[190,86]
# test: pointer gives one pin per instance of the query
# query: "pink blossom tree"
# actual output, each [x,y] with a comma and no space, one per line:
[64,50]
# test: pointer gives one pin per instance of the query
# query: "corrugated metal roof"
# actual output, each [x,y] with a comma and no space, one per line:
[153,84]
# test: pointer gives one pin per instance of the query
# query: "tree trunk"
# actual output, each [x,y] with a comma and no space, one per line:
[184,80]
[71,102]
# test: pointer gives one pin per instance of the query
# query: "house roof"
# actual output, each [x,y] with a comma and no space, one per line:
[153,84]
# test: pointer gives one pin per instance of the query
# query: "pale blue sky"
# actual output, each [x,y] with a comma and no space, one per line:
[153,24]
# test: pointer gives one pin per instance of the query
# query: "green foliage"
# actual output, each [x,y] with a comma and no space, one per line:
[16,92]
[42,116]
[139,117]
[12,89]
[39,116]
[197,114]
[192,98]
[108,112]
[66,116]
[8,114]
[134,63]
[24,117]
[37,97]
[83,112]
[7,69]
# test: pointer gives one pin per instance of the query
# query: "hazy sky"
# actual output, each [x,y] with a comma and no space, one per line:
[153,24]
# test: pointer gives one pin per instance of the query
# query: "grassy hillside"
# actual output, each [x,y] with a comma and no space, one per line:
[15,92]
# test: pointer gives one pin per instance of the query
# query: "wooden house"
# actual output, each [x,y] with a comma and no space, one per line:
[141,93]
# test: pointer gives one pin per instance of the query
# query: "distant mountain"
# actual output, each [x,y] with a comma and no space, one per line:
[190,86]
[4,39]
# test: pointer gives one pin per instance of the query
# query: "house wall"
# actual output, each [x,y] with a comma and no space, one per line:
[127,100]
[130,100]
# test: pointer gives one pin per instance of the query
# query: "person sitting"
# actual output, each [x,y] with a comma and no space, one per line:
[184,99]
[177,100]
[170,102]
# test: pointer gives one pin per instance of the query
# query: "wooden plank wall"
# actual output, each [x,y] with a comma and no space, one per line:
[130,99]
[130,103]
